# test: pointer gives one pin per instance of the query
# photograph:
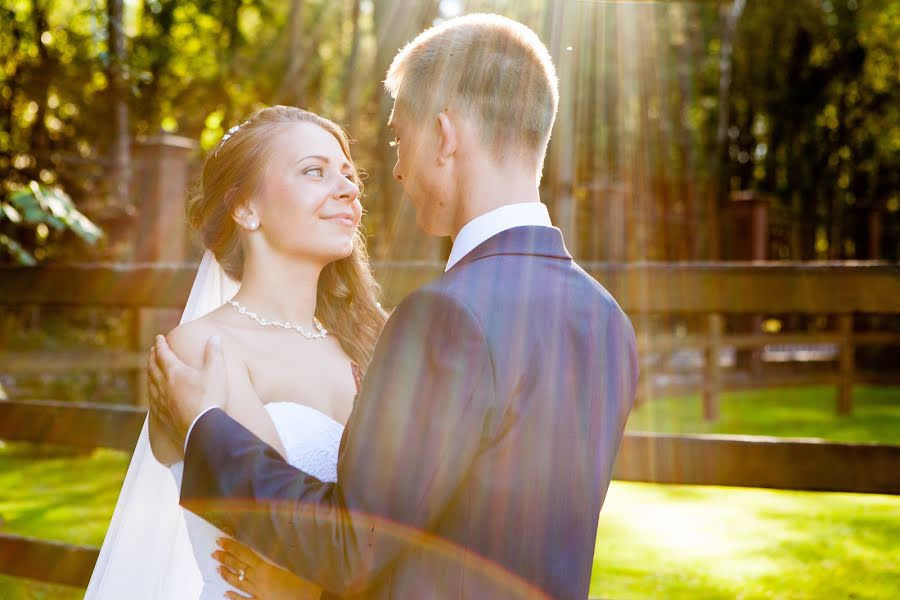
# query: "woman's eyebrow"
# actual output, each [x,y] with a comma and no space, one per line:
[326,160]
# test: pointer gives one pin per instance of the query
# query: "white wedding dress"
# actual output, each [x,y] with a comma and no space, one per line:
[155,550]
[311,440]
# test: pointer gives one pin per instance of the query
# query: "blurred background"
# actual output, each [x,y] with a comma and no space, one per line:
[729,169]
[674,115]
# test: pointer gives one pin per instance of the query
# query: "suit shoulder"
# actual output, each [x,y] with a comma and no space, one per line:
[601,295]
[435,307]
[436,295]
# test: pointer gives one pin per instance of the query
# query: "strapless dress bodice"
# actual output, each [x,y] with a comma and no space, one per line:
[311,440]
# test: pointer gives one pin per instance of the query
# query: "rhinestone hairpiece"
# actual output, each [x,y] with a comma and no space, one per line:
[228,134]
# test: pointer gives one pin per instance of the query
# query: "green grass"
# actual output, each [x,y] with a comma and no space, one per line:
[697,542]
[58,495]
[53,494]
[793,412]
[655,541]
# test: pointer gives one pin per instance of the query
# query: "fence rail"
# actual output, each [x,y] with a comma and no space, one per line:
[711,290]
[47,561]
[690,288]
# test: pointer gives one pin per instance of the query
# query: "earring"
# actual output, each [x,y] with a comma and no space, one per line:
[253,224]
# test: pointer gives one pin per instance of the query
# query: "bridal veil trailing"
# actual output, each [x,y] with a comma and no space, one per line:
[147,554]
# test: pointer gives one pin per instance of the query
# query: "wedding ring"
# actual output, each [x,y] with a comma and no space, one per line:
[241,575]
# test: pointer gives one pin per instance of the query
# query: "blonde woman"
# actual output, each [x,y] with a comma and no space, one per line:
[278,210]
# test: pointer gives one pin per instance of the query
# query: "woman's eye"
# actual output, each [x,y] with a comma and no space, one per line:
[317,171]
[394,143]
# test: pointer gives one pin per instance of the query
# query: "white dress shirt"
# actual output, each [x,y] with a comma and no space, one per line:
[473,234]
[480,229]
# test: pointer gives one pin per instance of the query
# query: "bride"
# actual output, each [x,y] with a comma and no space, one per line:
[278,210]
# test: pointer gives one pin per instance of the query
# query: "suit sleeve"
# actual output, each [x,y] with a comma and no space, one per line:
[413,434]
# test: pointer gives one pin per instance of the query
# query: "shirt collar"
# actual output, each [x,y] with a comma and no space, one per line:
[480,229]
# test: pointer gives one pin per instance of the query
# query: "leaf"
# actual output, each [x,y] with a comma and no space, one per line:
[17,251]
[53,207]
[11,213]
[84,228]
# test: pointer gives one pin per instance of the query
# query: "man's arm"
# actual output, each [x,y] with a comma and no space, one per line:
[411,439]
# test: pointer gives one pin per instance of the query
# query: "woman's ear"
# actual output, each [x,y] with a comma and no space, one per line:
[244,214]
[448,137]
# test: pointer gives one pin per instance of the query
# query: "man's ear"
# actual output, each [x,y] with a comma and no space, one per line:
[448,137]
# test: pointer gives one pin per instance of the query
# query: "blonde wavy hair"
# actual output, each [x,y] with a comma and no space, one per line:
[347,299]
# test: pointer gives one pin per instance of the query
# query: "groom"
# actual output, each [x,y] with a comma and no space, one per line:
[482,443]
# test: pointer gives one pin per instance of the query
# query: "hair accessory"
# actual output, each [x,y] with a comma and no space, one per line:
[228,134]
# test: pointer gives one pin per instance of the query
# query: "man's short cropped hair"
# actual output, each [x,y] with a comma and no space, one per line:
[494,69]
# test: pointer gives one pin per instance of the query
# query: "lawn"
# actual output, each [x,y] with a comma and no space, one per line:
[699,542]
[52,494]
[654,541]
[792,412]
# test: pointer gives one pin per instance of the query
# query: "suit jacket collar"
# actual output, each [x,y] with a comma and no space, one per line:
[528,240]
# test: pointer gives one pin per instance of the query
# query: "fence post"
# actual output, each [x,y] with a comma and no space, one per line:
[847,365]
[712,384]
[162,236]
[642,329]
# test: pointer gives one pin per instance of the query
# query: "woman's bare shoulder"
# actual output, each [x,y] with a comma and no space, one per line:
[188,340]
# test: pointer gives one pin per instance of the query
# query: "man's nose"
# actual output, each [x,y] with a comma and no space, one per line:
[396,171]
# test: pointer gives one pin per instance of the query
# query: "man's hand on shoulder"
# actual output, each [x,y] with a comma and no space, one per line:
[178,392]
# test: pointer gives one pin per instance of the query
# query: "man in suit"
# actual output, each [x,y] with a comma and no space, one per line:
[482,443]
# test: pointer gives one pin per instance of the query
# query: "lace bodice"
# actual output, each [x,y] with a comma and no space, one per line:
[311,441]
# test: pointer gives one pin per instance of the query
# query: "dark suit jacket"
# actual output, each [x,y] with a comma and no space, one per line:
[479,451]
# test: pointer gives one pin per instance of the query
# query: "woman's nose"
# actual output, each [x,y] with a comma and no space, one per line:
[349,190]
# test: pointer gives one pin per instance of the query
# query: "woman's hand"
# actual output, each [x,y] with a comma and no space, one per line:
[256,577]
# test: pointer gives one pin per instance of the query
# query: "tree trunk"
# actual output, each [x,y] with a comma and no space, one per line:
[396,23]
[561,162]
[688,185]
[7,101]
[289,90]
[121,154]
[45,71]
[729,26]
[349,89]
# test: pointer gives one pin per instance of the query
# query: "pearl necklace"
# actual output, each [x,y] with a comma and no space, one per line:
[322,332]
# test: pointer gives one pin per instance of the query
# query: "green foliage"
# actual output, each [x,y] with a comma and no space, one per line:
[814,101]
[47,212]
[815,122]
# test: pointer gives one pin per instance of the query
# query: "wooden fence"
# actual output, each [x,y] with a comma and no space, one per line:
[709,291]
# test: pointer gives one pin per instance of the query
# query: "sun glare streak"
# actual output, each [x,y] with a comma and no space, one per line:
[476,565]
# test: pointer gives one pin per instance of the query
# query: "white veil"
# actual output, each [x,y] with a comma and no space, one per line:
[146,554]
